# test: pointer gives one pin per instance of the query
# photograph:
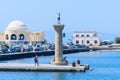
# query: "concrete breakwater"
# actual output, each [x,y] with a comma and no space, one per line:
[43,67]
[19,55]
[96,48]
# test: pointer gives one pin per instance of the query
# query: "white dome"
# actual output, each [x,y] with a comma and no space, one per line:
[17,25]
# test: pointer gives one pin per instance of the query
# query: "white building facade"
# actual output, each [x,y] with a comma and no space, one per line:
[17,33]
[86,37]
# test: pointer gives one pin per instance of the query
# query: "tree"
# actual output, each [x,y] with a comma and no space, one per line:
[117,39]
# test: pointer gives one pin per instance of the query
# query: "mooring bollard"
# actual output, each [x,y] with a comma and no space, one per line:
[78,62]
[73,64]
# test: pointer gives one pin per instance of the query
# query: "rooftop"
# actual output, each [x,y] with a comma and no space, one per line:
[17,25]
[84,32]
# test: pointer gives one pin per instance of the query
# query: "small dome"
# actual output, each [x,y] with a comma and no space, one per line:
[17,25]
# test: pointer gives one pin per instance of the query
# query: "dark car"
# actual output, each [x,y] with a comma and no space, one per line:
[81,46]
[5,50]
[28,48]
[39,48]
[51,47]
[15,49]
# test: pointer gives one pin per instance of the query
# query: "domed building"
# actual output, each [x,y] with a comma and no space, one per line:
[18,33]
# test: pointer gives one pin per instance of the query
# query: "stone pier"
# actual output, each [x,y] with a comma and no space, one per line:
[41,67]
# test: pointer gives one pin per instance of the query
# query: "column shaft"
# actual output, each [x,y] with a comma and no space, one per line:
[58,46]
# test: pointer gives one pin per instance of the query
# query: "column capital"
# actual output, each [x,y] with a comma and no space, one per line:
[58,27]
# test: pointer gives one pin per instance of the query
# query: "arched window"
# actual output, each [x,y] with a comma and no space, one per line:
[77,42]
[7,37]
[21,37]
[88,35]
[82,35]
[95,42]
[88,41]
[77,35]
[13,37]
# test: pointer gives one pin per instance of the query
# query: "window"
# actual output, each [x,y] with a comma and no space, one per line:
[82,41]
[95,42]
[77,35]
[88,35]
[82,35]
[21,37]
[13,37]
[7,37]
[88,42]
[77,42]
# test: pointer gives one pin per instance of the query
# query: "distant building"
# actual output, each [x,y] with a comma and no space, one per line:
[18,33]
[86,37]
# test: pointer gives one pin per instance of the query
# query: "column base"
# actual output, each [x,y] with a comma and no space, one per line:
[59,63]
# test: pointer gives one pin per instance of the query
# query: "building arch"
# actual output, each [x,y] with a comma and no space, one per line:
[7,37]
[21,37]
[13,37]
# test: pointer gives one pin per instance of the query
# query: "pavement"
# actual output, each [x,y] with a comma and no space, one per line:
[41,67]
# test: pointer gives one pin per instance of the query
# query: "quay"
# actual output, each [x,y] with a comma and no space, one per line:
[42,67]
[19,55]
[105,47]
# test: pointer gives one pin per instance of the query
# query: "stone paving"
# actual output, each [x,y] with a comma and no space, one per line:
[41,67]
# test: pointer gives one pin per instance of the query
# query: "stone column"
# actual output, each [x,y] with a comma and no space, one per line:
[58,45]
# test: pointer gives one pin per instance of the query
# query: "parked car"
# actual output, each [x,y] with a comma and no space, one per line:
[81,46]
[5,50]
[28,48]
[38,48]
[15,49]
[51,47]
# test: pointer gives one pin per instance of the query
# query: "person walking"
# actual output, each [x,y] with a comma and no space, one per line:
[36,60]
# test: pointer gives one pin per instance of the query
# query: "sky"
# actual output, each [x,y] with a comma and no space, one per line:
[102,16]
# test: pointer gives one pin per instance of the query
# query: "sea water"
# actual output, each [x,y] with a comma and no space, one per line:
[104,65]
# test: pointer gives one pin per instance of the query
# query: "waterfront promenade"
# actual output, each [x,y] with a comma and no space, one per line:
[42,67]
[105,47]
[19,55]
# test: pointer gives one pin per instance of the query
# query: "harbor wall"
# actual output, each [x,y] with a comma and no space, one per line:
[19,55]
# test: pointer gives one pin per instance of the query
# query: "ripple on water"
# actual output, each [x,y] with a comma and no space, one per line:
[104,65]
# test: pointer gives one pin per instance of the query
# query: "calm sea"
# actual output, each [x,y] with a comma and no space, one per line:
[105,65]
